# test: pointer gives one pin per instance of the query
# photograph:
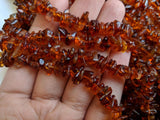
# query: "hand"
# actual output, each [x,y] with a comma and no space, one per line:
[27,94]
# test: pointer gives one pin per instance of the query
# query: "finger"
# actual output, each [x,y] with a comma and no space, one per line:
[112,9]
[40,22]
[19,81]
[22,80]
[77,97]
[120,57]
[49,86]
[92,6]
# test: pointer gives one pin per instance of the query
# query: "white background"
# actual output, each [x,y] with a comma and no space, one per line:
[6,8]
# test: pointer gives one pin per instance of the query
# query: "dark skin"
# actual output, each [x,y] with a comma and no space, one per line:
[27,94]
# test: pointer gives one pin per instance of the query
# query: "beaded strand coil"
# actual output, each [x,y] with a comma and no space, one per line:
[139,33]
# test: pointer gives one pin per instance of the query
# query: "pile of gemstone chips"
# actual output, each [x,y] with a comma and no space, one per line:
[139,33]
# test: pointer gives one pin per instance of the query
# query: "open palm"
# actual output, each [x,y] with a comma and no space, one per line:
[28,94]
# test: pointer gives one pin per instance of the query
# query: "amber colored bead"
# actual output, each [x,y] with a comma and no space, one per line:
[1,62]
[71,2]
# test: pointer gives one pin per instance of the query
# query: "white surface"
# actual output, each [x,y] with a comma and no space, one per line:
[6,9]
